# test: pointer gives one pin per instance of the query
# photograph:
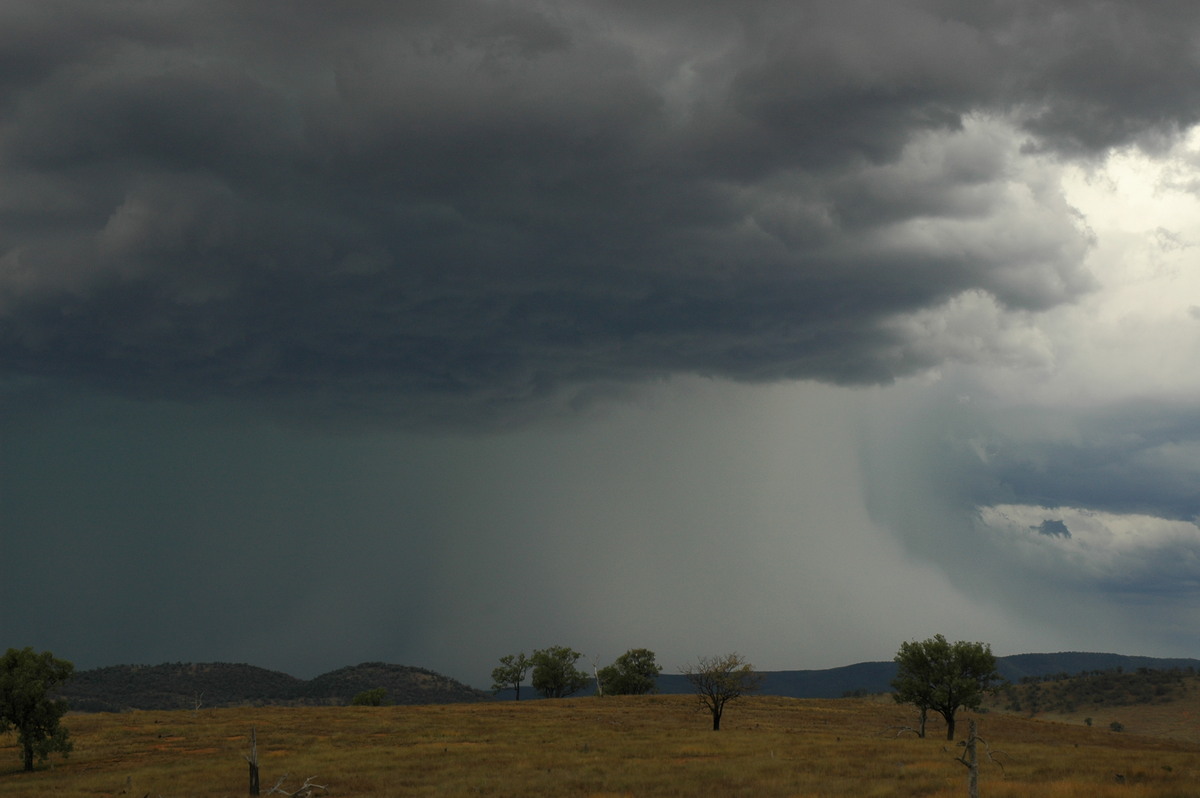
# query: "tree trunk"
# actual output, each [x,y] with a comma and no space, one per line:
[28,755]
[924,715]
[950,726]
[716,720]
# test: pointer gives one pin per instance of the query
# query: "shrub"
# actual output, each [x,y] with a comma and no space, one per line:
[370,698]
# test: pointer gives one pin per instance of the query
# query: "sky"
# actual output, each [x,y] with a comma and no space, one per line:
[431,332]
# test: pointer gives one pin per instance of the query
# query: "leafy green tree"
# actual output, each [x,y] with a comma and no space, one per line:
[510,673]
[633,673]
[719,680]
[554,672]
[26,680]
[370,698]
[941,676]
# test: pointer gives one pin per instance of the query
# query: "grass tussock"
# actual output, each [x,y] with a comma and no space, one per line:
[599,748]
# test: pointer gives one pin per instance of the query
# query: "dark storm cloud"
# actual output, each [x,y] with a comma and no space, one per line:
[461,208]
[1052,528]
[1143,459]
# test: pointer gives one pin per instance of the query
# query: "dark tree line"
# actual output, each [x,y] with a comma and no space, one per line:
[554,673]
[716,680]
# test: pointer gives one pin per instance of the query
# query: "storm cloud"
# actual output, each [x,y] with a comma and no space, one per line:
[387,288]
[460,208]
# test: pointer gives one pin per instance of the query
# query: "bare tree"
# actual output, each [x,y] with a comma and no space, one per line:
[970,758]
[305,790]
[719,680]
[596,676]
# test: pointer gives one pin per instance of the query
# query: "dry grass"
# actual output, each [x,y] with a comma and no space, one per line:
[647,746]
[1178,719]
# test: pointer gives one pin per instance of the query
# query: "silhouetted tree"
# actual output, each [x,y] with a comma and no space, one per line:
[510,673]
[26,679]
[554,672]
[633,673]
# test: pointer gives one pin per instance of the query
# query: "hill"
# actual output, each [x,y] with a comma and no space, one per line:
[218,684]
[184,685]
[404,684]
[1162,703]
[866,678]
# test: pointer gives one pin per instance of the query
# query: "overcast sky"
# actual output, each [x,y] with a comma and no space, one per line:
[429,332]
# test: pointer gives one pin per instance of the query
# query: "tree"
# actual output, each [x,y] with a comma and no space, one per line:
[633,673]
[941,676]
[370,698]
[511,673]
[554,672]
[719,680]
[26,679]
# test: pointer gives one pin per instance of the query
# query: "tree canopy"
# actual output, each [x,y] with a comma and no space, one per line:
[633,673]
[937,675]
[510,673]
[26,680]
[554,672]
[719,680]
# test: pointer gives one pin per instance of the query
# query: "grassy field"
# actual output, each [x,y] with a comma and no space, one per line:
[1178,719]
[616,746]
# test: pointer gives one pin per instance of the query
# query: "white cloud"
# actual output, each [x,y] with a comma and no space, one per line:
[1116,547]
[1135,335]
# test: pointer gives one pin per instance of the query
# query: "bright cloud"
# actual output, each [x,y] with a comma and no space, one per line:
[1122,550]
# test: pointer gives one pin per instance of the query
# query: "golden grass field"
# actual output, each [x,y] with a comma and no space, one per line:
[605,747]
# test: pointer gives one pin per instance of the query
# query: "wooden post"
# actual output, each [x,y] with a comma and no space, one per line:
[253,760]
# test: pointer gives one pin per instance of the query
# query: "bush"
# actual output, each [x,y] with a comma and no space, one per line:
[370,698]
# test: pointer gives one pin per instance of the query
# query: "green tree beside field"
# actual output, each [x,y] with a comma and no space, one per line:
[554,672]
[510,673]
[26,681]
[937,675]
[633,673]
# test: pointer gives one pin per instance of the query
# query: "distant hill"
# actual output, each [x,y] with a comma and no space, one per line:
[876,677]
[1018,666]
[184,685]
[1066,694]
[404,684]
[218,684]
